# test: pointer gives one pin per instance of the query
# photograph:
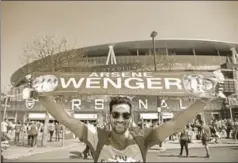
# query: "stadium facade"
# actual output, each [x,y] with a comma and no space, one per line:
[170,55]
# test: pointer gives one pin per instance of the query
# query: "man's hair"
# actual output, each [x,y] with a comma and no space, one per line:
[119,100]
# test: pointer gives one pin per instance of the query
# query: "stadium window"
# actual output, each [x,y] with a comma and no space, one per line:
[171,51]
[207,52]
[225,52]
[134,52]
[180,51]
[142,52]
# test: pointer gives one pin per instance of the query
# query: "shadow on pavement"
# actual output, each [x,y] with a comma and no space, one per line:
[172,155]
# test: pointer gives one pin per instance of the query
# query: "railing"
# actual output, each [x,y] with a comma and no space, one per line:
[149,59]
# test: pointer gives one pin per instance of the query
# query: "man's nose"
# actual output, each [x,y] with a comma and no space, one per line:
[120,119]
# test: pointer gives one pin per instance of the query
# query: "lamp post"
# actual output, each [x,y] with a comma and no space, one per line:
[6,104]
[153,35]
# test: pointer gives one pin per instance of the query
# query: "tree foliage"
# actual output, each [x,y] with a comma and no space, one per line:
[49,54]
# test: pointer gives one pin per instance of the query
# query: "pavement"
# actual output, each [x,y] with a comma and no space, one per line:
[16,152]
[196,144]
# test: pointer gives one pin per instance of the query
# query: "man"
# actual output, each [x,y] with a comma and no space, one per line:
[4,128]
[51,128]
[58,128]
[184,140]
[235,129]
[205,134]
[86,152]
[32,134]
[228,127]
[119,144]
[18,129]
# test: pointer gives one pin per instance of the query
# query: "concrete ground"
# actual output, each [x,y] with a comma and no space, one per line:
[16,153]
[218,154]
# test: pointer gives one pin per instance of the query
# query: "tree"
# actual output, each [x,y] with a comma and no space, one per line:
[49,54]
[164,61]
[52,54]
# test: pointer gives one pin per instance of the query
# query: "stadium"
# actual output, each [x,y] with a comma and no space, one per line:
[136,56]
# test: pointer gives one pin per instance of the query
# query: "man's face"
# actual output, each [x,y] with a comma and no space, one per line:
[120,118]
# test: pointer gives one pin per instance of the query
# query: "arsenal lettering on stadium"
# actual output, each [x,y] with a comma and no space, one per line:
[121,83]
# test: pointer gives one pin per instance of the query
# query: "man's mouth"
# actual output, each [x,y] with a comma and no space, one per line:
[120,125]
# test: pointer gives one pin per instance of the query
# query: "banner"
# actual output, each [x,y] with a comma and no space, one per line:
[126,83]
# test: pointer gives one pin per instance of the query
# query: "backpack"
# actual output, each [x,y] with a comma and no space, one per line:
[33,129]
[139,140]
[184,135]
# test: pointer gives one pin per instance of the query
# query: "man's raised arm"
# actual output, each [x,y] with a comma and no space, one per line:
[58,111]
[175,124]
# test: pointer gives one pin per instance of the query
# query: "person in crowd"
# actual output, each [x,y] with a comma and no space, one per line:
[214,132]
[205,133]
[87,153]
[18,129]
[235,129]
[58,129]
[184,140]
[51,128]
[4,128]
[32,134]
[229,127]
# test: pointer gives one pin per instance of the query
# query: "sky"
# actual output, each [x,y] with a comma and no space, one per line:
[99,22]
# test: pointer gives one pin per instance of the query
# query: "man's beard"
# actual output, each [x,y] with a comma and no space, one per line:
[120,128]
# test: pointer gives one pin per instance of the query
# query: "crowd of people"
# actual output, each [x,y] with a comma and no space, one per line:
[223,128]
[30,130]
[216,129]
[213,131]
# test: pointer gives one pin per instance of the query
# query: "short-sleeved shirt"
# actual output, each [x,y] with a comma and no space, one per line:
[51,127]
[184,135]
[236,125]
[206,132]
[18,128]
[100,143]
[4,126]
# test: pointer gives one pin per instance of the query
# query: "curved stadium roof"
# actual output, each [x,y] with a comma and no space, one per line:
[125,47]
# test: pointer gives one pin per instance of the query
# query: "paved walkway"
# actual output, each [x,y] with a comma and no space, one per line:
[15,152]
[196,144]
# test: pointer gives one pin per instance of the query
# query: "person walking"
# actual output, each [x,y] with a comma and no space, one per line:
[4,128]
[51,128]
[32,134]
[205,133]
[235,129]
[228,128]
[58,129]
[184,140]
[18,129]
[205,137]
